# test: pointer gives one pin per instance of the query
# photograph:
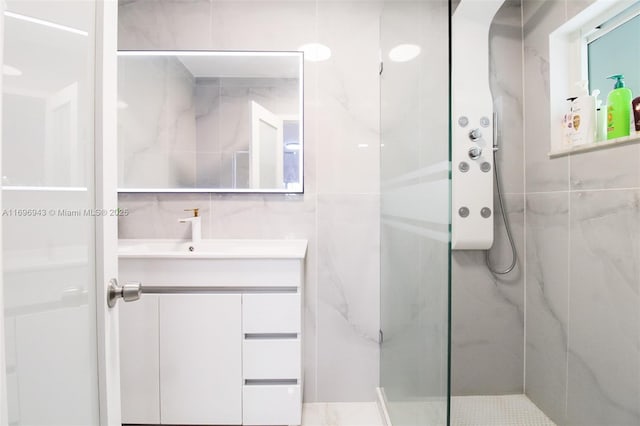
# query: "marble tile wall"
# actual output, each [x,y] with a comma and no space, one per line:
[210,172]
[339,211]
[156,90]
[487,355]
[341,414]
[582,252]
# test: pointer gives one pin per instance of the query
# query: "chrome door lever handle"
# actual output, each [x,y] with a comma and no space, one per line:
[129,292]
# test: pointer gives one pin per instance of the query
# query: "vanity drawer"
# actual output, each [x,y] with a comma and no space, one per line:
[272,405]
[271,313]
[271,359]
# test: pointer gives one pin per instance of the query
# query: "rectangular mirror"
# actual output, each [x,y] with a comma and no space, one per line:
[210,121]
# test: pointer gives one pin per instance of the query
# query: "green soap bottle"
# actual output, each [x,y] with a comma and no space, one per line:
[619,109]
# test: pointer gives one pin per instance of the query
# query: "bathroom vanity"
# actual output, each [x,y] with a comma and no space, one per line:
[216,337]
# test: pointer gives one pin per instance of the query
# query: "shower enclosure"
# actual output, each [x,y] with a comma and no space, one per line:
[415,219]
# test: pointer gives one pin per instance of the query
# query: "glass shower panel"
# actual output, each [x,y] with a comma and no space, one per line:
[415,200]
[47,225]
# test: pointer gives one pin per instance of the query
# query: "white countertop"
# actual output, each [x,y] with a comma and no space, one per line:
[212,249]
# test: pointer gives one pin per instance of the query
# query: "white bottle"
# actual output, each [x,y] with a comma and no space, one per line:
[567,131]
[583,110]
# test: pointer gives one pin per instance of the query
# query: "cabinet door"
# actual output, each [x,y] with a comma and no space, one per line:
[139,382]
[200,359]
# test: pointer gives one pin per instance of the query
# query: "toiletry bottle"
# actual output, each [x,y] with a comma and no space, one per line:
[636,113]
[567,123]
[618,109]
[583,118]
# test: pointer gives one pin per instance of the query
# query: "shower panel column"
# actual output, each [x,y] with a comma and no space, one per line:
[473,126]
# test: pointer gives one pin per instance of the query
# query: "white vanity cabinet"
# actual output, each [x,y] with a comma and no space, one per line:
[219,342]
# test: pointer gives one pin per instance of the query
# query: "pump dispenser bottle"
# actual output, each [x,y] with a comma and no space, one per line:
[618,109]
[583,116]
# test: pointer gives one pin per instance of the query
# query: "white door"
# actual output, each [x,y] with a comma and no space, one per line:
[59,357]
[61,138]
[266,150]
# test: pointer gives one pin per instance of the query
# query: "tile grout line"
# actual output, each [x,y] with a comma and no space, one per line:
[578,190]
[524,198]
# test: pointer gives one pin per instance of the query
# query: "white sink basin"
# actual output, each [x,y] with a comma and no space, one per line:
[212,249]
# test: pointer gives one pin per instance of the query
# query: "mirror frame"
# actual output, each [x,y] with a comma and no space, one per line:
[299,54]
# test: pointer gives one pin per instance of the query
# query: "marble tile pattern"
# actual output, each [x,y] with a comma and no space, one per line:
[348,297]
[487,329]
[341,414]
[157,129]
[604,308]
[541,174]
[582,253]
[487,332]
[505,79]
[341,178]
[547,292]
[348,91]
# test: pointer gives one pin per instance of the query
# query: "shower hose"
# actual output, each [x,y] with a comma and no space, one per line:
[505,218]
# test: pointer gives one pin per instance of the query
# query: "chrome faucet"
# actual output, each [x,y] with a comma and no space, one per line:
[196,232]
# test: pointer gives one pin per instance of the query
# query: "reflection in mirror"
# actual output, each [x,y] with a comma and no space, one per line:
[45,99]
[210,121]
[48,249]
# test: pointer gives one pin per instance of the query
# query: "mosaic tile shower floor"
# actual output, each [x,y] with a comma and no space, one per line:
[500,410]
